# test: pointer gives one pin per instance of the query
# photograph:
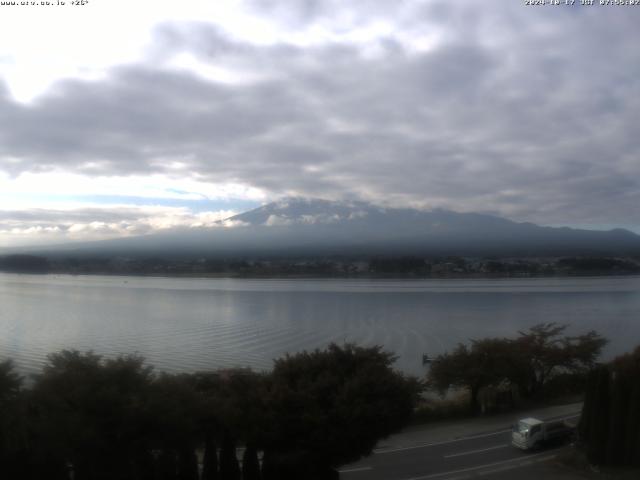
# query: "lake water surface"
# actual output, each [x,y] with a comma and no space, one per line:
[194,324]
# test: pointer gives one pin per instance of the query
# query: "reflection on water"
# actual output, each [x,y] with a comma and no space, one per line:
[190,324]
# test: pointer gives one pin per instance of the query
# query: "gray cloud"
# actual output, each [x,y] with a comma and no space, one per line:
[515,111]
[339,13]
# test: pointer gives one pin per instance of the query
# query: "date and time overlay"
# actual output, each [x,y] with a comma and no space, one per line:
[46,3]
[527,3]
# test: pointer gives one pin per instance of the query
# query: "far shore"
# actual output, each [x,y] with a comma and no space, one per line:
[226,275]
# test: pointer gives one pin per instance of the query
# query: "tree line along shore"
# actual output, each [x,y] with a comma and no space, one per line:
[328,266]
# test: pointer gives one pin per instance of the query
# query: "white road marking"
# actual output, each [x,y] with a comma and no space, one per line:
[425,445]
[359,469]
[471,452]
[562,417]
[504,468]
[515,461]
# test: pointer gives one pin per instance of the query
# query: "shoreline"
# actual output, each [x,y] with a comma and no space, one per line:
[239,276]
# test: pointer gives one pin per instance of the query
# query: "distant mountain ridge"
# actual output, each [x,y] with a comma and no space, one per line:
[311,227]
[438,230]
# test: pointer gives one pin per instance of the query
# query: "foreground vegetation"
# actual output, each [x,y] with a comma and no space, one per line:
[541,363]
[534,365]
[116,419]
[91,418]
[610,423]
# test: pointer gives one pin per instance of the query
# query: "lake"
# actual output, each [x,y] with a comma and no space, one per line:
[185,324]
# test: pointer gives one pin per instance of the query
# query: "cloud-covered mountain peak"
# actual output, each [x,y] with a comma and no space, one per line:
[325,225]
[306,211]
[311,211]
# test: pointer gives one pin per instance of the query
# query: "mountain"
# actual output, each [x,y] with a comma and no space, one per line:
[357,225]
[310,227]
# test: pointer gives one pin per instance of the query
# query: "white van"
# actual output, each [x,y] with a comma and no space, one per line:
[531,433]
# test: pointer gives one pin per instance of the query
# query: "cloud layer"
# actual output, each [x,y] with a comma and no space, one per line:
[528,113]
[38,226]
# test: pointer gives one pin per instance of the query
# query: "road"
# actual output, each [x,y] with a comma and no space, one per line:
[485,454]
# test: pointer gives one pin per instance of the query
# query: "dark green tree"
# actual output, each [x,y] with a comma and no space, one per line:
[167,465]
[90,413]
[486,362]
[545,351]
[632,436]
[598,427]
[210,459]
[610,421]
[330,407]
[529,362]
[13,431]
[175,411]
[229,466]
[236,405]
[187,462]
[618,416]
[624,429]
[250,464]
[588,411]
[10,381]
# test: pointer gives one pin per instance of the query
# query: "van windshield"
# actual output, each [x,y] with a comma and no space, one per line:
[522,428]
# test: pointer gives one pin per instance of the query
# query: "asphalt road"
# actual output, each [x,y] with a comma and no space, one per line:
[486,454]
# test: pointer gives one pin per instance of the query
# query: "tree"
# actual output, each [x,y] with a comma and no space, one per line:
[174,411]
[235,402]
[632,437]
[13,430]
[167,465]
[210,459]
[229,467]
[600,420]
[187,462]
[330,407]
[528,362]
[544,352]
[486,362]
[10,381]
[610,421]
[90,412]
[250,464]
[97,418]
[235,406]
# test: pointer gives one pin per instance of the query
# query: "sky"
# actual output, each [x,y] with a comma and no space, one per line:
[126,118]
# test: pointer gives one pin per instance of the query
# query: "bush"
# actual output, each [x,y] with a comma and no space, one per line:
[432,410]
[116,419]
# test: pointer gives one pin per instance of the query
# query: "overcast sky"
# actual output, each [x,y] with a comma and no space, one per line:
[120,117]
